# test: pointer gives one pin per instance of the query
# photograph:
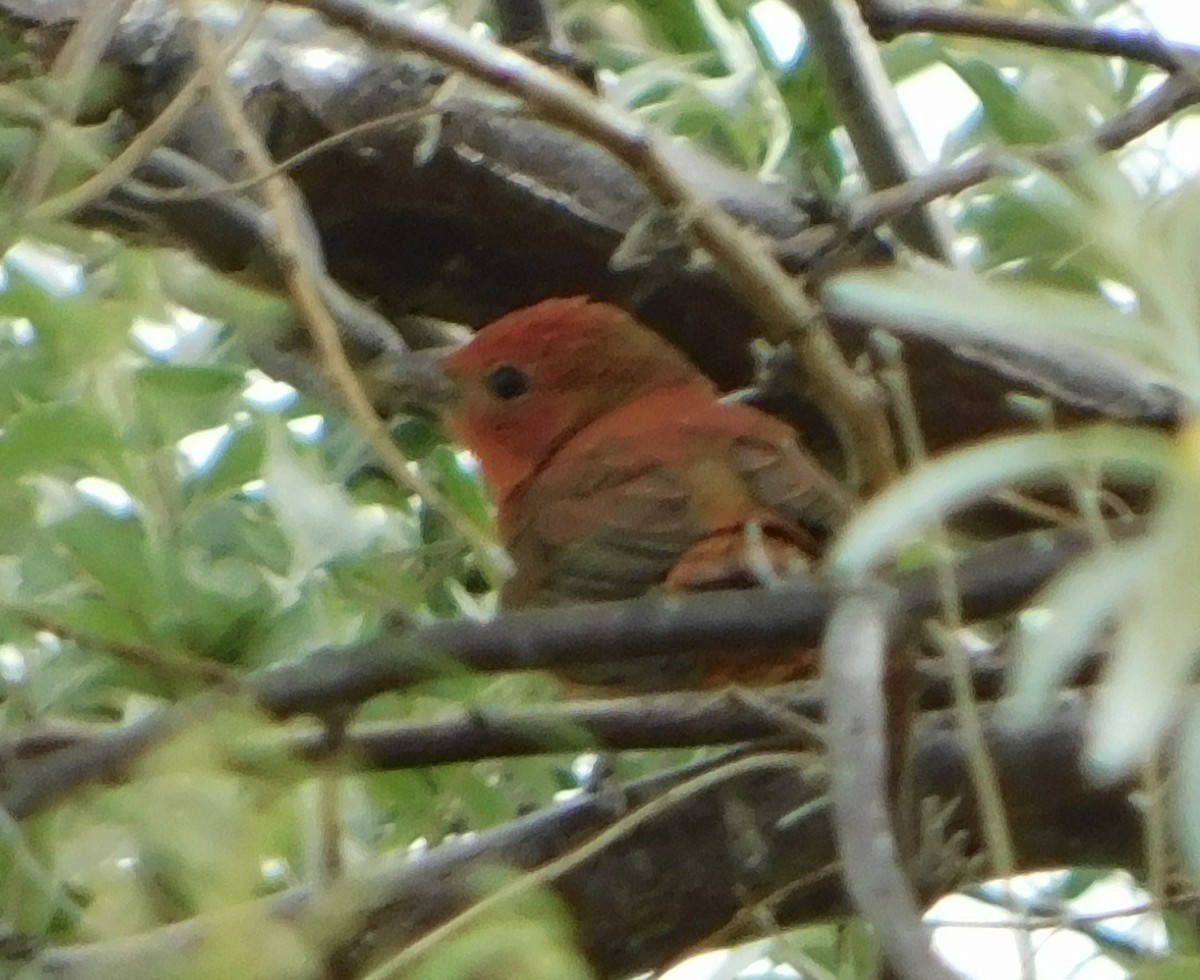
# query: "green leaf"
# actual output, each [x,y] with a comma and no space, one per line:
[678,24]
[1157,639]
[41,438]
[114,553]
[462,487]
[1175,968]
[813,120]
[1011,117]
[100,619]
[168,381]
[935,489]
[238,461]
[1183,938]
[1073,336]
[1037,221]
[227,599]
[236,527]
[79,332]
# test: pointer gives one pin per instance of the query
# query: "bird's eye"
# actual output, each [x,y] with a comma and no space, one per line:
[508,382]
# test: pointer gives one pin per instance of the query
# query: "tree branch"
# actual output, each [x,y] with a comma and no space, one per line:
[757,623]
[855,654]
[433,233]
[1177,92]
[994,579]
[888,20]
[740,257]
[867,105]
[662,721]
[641,900]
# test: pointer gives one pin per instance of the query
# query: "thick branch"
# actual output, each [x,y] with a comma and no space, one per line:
[432,233]
[739,257]
[995,579]
[754,622]
[762,834]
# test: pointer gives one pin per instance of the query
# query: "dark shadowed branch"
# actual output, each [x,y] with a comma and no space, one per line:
[639,900]
[756,622]
[739,257]
[995,579]
[888,19]
[431,236]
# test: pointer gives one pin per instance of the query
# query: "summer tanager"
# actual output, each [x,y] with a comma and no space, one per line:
[618,470]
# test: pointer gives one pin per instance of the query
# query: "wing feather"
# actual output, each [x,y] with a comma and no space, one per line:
[786,480]
[606,529]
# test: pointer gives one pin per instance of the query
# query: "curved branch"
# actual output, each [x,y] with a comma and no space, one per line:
[855,653]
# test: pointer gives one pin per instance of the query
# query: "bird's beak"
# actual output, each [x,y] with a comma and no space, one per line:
[415,382]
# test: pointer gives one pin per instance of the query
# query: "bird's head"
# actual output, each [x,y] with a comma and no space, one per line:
[526,383]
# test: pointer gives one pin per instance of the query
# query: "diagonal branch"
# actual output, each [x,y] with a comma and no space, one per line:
[867,105]
[298,249]
[1178,92]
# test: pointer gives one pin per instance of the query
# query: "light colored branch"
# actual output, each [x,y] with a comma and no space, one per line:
[68,79]
[855,652]
[875,122]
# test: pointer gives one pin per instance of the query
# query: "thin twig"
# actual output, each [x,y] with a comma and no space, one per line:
[1175,93]
[311,152]
[328,789]
[146,141]
[68,78]
[402,963]
[756,621]
[888,20]
[684,719]
[994,822]
[157,658]
[297,248]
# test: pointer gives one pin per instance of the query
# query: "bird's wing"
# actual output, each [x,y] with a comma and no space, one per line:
[609,526]
[785,480]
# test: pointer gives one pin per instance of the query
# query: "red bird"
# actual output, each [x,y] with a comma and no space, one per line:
[618,470]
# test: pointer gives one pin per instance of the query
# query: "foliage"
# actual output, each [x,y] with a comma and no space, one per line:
[171,514]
